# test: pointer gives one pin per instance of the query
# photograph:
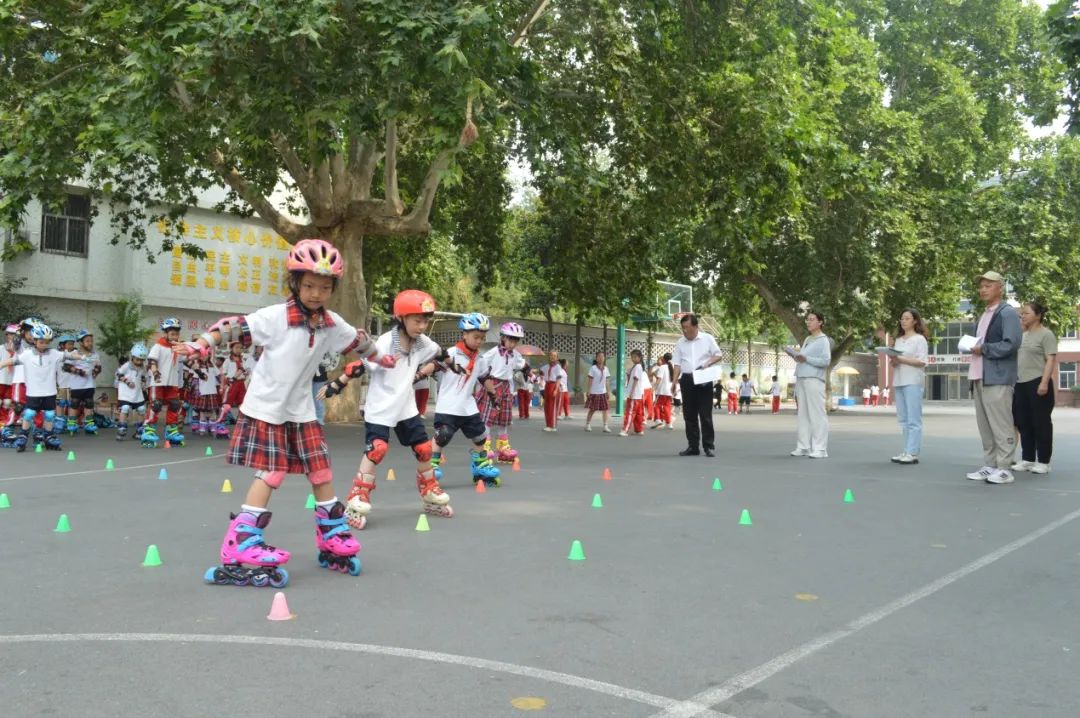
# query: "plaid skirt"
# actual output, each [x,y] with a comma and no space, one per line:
[597,402]
[289,447]
[210,403]
[500,412]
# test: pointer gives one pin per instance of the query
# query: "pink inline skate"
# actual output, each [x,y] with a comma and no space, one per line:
[337,547]
[243,544]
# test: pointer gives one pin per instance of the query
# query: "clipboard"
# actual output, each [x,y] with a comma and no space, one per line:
[890,351]
[708,375]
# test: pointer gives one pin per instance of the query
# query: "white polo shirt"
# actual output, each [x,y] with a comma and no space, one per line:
[137,376]
[209,385]
[457,391]
[691,354]
[168,365]
[553,372]
[663,380]
[279,389]
[390,396]
[40,371]
[502,366]
[598,379]
[86,365]
[636,390]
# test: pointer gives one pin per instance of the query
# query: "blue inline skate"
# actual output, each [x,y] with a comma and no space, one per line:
[484,470]
[22,440]
[52,441]
[121,431]
[149,437]
[90,426]
[173,435]
[60,424]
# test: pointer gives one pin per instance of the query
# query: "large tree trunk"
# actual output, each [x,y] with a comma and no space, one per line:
[578,323]
[551,329]
[351,302]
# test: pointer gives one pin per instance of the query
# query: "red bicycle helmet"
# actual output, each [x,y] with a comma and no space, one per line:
[413,301]
[316,256]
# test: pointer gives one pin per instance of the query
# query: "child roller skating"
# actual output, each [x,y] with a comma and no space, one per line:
[391,404]
[456,407]
[130,380]
[276,432]
[495,401]
[83,371]
[40,366]
[166,377]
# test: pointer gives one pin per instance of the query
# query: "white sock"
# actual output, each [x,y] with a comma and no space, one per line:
[327,504]
[254,510]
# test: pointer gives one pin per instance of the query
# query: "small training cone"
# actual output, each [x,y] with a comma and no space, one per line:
[517,464]
[745,519]
[209,451]
[481,488]
[607,474]
[71,455]
[109,465]
[422,524]
[152,556]
[62,526]
[167,444]
[849,498]
[163,474]
[279,609]
[310,501]
[38,449]
[597,502]
[576,552]
[5,503]
[716,485]
[226,487]
[390,475]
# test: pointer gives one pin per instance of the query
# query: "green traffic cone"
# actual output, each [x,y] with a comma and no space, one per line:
[109,465]
[71,455]
[5,503]
[849,498]
[716,485]
[153,558]
[576,552]
[745,519]
[310,501]
[38,448]
[209,451]
[63,525]
[422,524]
[597,503]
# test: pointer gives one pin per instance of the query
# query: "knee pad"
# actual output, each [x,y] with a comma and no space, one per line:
[50,416]
[157,405]
[29,414]
[482,439]
[272,479]
[62,403]
[443,434]
[174,405]
[320,477]
[422,451]
[125,410]
[376,451]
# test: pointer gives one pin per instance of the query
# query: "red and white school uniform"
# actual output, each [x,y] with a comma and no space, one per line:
[663,394]
[564,395]
[598,389]
[237,371]
[552,396]
[166,387]
[635,403]
[501,363]
[774,392]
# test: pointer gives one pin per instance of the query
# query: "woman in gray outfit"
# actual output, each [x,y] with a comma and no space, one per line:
[812,366]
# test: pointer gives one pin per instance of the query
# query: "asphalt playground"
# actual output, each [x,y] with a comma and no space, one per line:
[927,595]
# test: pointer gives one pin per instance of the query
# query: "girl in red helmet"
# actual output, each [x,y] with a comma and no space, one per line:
[391,404]
[276,432]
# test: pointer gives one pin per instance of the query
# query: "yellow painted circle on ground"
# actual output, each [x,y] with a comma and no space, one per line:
[528,703]
[806,597]
[937,545]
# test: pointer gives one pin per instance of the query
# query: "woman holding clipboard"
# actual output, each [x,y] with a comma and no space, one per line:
[910,353]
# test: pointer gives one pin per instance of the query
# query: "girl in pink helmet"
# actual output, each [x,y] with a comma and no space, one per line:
[276,432]
[496,400]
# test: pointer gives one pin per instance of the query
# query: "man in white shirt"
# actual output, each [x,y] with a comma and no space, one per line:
[696,350]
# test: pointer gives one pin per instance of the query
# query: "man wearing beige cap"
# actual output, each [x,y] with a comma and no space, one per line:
[993,376]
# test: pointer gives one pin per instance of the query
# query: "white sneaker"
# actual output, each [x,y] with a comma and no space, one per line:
[1001,476]
[908,459]
[623,433]
[607,429]
[982,474]
[1040,468]
[550,428]
[671,427]
[818,455]
[639,433]
[896,459]
[588,428]
[1023,466]
[800,452]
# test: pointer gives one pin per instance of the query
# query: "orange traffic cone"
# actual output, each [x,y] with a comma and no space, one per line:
[607,474]
[481,488]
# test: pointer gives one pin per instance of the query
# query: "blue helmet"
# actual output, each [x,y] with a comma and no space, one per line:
[41,331]
[475,320]
[82,334]
[64,338]
[171,323]
[139,351]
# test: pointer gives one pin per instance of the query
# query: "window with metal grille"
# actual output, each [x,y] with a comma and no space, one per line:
[67,232]
[1066,375]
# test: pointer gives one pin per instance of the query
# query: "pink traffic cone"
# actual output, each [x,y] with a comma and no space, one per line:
[279,610]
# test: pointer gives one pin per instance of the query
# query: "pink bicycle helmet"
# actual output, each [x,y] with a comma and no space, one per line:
[316,256]
[512,329]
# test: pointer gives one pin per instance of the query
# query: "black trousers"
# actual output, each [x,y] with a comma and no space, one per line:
[697,413]
[1031,414]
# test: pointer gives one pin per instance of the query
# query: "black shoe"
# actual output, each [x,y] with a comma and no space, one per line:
[689,452]
[709,453]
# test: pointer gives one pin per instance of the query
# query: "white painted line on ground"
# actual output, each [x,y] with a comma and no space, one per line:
[541,674]
[117,470]
[731,688]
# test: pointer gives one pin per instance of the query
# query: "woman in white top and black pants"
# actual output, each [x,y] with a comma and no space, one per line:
[812,366]
[908,370]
